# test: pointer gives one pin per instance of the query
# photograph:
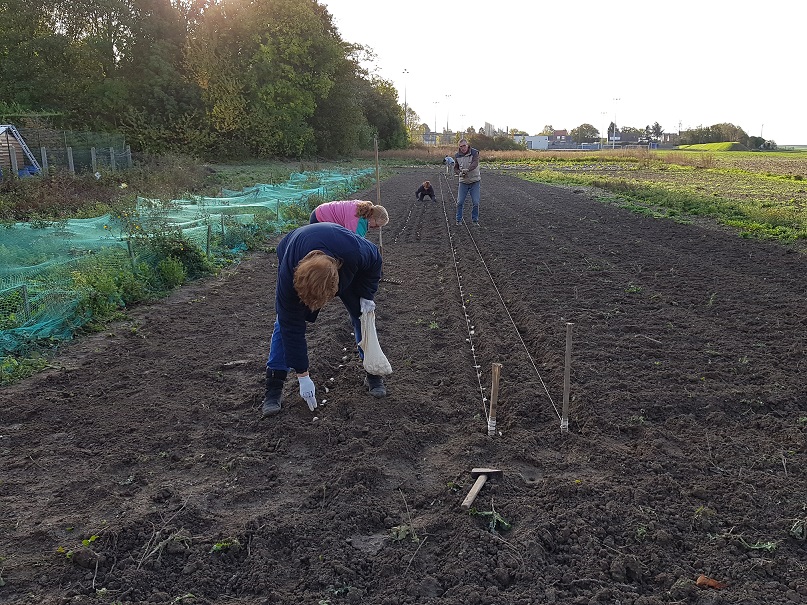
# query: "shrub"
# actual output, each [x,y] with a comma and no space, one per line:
[300,212]
[171,272]
[132,288]
[179,248]
[101,297]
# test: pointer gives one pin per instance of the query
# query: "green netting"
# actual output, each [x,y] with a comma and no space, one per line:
[49,271]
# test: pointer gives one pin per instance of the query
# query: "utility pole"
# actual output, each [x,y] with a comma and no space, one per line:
[604,114]
[448,102]
[615,102]
[406,114]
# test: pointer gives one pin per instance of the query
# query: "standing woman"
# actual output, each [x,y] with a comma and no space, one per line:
[354,215]
[466,167]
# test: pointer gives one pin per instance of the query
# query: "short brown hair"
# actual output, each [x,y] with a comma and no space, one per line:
[316,279]
[427,184]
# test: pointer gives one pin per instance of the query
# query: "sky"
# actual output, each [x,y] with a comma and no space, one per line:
[524,64]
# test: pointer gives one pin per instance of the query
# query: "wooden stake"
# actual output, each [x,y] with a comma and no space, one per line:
[378,195]
[377,173]
[496,369]
[564,420]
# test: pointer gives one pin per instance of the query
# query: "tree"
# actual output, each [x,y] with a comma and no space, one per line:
[217,57]
[339,123]
[506,143]
[40,68]
[295,55]
[105,26]
[480,141]
[611,130]
[696,136]
[657,131]
[412,119]
[717,133]
[756,142]
[264,78]
[381,108]
[164,107]
[729,133]
[585,133]
[547,131]
[265,67]
[630,134]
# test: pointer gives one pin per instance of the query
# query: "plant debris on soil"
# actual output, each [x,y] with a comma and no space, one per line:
[137,469]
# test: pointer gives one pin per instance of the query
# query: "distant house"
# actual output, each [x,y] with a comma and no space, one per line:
[430,138]
[560,139]
[559,136]
[539,141]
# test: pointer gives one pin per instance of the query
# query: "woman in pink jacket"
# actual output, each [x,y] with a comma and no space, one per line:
[355,215]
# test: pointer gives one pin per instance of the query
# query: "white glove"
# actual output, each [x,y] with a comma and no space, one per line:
[307,391]
[366,305]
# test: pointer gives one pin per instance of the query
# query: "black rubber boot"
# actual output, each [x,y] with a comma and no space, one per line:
[375,384]
[274,392]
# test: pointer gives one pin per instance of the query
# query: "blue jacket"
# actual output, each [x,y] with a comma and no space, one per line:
[358,278]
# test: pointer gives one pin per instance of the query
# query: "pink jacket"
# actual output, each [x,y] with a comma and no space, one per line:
[342,212]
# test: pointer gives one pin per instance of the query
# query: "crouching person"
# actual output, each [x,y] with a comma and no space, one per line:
[316,263]
[424,191]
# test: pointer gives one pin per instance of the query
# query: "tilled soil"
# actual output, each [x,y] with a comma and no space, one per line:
[138,468]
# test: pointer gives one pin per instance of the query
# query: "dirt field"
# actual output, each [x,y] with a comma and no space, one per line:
[142,454]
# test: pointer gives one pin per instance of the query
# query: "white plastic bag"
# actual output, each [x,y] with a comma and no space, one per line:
[375,362]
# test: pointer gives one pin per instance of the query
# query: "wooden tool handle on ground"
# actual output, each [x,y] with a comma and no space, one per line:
[469,499]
